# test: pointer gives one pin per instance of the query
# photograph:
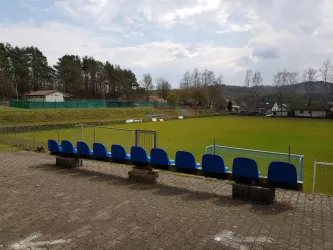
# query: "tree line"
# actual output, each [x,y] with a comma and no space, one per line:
[26,69]
[288,83]
[196,88]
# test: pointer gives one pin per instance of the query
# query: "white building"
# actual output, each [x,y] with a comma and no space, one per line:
[316,110]
[47,96]
[280,110]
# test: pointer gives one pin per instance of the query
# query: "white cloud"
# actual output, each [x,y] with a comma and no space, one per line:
[54,39]
[281,34]
[57,39]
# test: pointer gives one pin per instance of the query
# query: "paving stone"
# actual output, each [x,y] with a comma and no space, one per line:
[96,207]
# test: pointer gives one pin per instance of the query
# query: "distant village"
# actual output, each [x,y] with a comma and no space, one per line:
[271,109]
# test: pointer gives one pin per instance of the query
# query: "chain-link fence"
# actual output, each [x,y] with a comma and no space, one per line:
[31,140]
[57,105]
[82,132]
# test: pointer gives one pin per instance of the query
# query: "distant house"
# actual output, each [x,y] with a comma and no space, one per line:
[263,107]
[316,110]
[235,108]
[280,109]
[47,96]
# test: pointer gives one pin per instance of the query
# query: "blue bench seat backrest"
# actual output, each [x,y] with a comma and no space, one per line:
[67,147]
[139,154]
[83,148]
[119,153]
[213,164]
[53,146]
[282,172]
[186,160]
[159,156]
[99,150]
[245,167]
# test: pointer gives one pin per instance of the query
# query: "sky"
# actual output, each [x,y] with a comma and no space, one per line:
[168,37]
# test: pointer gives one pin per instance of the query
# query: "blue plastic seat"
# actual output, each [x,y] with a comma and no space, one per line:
[160,157]
[245,167]
[213,164]
[186,160]
[100,151]
[83,149]
[67,147]
[54,147]
[282,172]
[139,155]
[119,153]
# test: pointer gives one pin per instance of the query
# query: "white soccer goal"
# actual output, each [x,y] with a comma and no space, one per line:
[322,178]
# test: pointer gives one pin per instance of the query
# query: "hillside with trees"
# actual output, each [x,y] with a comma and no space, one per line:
[27,69]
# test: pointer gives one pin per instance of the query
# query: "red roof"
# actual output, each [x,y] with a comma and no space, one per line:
[45,92]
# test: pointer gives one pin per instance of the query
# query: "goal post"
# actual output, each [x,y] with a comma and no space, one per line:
[322,178]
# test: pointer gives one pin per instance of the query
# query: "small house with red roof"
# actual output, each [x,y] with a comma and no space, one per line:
[47,96]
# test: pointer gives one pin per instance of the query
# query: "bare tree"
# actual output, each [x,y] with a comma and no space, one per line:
[186,81]
[207,78]
[292,82]
[220,79]
[185,86]
[247,84]
[147,84]
[309,79]
[280,82]
[256,84]
[248,78]
[163,87]
[196,78]
[327,77]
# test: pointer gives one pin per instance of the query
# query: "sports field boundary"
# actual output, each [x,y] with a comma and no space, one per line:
[39,127]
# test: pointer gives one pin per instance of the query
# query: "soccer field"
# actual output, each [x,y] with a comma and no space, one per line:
[311,138]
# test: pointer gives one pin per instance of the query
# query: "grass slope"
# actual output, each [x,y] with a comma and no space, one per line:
[312,138]
[14,116]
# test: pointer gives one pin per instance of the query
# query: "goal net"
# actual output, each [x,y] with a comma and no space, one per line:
[322,178]
[263,158]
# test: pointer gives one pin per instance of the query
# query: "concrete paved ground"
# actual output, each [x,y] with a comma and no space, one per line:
[96,207]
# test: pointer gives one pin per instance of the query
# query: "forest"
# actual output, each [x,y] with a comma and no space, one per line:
[26,69]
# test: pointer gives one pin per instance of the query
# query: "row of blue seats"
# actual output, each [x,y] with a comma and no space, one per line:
[212,165]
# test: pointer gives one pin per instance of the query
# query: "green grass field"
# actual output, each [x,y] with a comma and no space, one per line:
[311,138]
